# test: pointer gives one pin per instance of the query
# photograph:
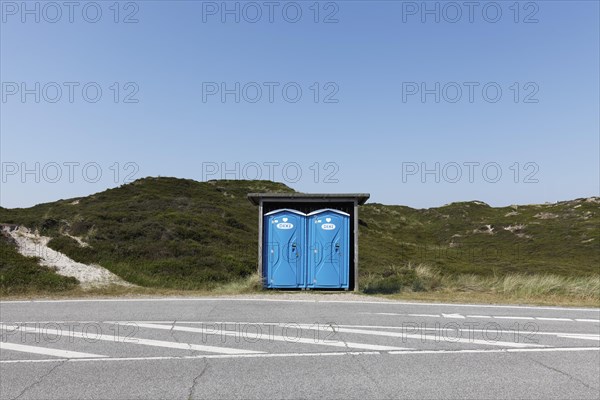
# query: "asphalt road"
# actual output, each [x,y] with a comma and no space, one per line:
[294,348]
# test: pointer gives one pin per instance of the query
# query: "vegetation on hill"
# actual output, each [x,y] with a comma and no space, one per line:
[157,232]
[19,274]
[474,238]
[182,234]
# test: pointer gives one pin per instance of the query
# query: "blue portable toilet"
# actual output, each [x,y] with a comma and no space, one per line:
[328,263]
[275,265]
[284,249]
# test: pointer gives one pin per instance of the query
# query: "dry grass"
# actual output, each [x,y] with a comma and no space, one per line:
[422,283]
[251,284]
[510,288]
[526,286]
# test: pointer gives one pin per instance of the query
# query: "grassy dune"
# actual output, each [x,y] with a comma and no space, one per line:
[170,235]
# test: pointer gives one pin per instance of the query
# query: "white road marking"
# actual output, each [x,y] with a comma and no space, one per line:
[595,338]
[381,313]
[46,351]
[590,336]
[409,315]
[422,337]
[507,330]
[283,355]
[552,349]
[202,356]
[553,319]
[291,325]
[272,336]
[460,316]
[429,328]
[456,316]
[404,315]
[145,342]
[423,315]
[200,299]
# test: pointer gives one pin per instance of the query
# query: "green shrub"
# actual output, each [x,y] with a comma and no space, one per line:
[383,285]
[394,279]
[21,275]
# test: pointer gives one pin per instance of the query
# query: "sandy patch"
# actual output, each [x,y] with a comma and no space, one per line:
[31,244]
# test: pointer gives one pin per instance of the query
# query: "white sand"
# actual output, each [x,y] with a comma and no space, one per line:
[31,244]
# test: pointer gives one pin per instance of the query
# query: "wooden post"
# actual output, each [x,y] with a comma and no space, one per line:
[355,245]
[260,241]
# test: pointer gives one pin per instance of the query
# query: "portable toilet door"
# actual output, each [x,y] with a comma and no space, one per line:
[284,261]
[329,249]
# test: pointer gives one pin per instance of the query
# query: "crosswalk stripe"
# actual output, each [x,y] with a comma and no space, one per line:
[46,351]
[274,337]
[425,337]
[146,342]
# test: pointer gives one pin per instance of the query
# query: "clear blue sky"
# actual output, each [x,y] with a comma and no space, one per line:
[376,60]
